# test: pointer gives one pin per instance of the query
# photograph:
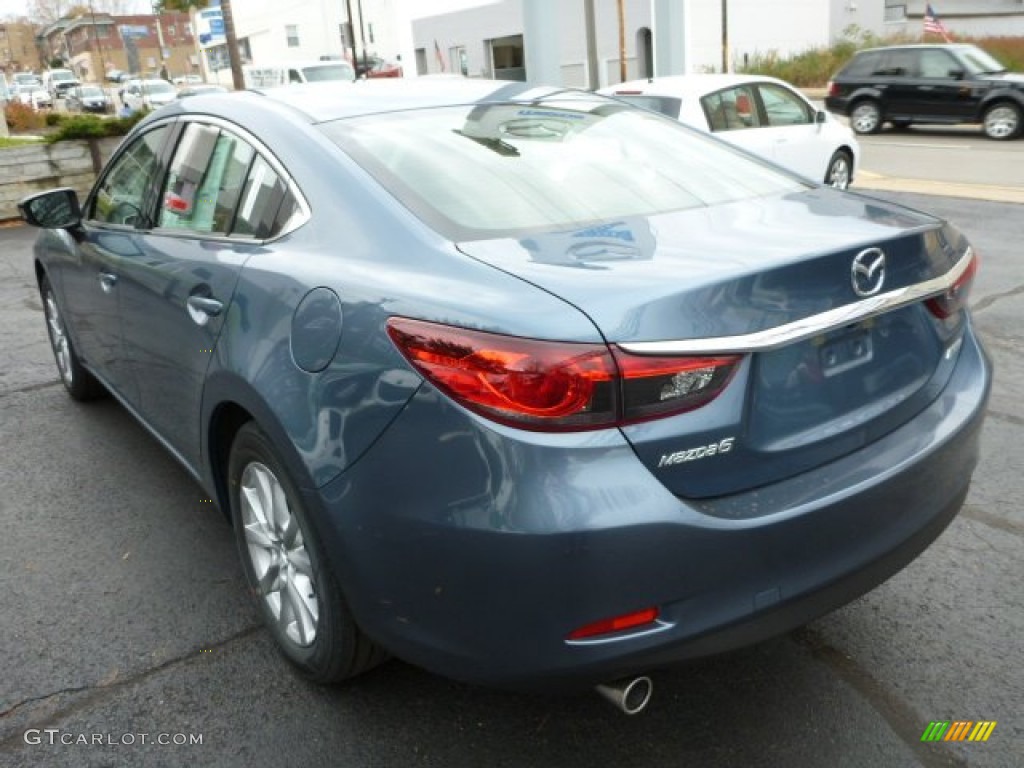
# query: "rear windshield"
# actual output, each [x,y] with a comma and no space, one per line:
[319,73]
[493,170]
[666,105]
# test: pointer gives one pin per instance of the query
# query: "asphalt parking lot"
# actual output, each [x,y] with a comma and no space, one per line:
[125,621]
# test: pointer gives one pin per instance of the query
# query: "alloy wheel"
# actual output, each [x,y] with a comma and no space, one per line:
[59,339]
[280,561]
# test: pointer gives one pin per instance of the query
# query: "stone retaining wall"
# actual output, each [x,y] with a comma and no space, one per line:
[33,168]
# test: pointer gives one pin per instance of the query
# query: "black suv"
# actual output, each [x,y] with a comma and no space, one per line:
[928,84]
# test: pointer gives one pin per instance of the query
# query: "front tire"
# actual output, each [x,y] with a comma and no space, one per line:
[78,382]
[840,170]
[866,117]
[299,598]
[1002,121]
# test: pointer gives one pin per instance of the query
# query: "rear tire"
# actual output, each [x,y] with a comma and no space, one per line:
[298,595]
[78,382]
[1002,121]
[840,170]
[866,117]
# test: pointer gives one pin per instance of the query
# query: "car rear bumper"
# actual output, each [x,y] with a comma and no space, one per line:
[475,556]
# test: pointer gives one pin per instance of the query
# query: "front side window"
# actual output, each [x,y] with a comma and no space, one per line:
[122,195]
[732,109]
[783,107]
[937,64]
[205,180]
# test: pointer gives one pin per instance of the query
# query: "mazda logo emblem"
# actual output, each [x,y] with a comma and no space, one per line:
[867,272]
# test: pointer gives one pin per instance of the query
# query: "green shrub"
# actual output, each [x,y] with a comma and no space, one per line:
[54,118]
[92,127]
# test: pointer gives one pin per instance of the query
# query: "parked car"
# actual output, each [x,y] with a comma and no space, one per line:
[370,66]
[187,80]
[524,385]
[760,114]
[26,78]
[147,94]
[928,84]
[34,96]
[281,73]
[87,98]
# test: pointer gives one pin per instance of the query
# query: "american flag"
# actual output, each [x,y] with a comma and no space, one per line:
[932,23]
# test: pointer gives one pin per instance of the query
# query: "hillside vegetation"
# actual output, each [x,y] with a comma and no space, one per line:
[814,67]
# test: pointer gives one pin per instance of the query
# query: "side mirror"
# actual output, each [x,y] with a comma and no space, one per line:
[820,116]
[55,209]
[956,74]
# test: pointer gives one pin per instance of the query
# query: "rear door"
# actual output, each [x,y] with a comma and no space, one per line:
[220,201]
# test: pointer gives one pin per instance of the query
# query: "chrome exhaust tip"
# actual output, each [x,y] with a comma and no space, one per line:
[630,695]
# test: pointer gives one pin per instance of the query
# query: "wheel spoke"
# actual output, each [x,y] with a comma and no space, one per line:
[299,558]
[269,582]
[304,620]
[256,534]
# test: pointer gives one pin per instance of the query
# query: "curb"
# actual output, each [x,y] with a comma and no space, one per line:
[866,180]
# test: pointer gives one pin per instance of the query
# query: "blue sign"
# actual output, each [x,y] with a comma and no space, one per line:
[217,26]
[128,31]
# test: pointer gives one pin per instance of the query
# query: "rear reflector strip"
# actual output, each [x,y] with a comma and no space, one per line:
[634,620]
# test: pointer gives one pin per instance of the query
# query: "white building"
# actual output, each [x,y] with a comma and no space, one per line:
[487,40]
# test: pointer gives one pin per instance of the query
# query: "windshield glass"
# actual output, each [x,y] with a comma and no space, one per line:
[491,170]
[338,71]
[158,86]
[979,62]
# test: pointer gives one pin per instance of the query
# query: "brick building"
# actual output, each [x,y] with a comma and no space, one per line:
[95,44]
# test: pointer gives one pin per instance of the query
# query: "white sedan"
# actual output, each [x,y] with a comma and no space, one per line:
[760,114]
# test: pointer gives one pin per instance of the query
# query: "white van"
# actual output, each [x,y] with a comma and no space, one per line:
[292,72]
[57,81]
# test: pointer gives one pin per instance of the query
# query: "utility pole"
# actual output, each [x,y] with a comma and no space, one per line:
[232,42]
[622,40]
[351,33]
[160,42]
[593,75]
[99,47]
[725,36]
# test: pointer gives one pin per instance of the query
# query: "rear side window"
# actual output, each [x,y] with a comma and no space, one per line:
[862,65]
[732,109]
[899,63]
[205,180]
[261,200]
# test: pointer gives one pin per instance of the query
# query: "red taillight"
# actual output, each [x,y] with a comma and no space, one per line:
[955,298]
[632,620]
[832,88]
[660,386]
[547,385]
[529,383]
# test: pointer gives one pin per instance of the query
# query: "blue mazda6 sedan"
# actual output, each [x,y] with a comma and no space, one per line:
[523,385]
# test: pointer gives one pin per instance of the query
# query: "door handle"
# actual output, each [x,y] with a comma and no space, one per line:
[202,308]
[107,281]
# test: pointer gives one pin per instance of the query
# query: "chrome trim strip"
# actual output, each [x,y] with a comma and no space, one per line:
[798,330]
